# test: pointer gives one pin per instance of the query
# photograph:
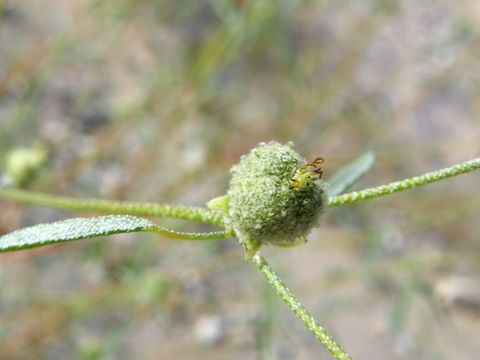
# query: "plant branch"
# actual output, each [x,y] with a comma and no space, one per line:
[215,235]
[320,333]
[193,213]
[406,184]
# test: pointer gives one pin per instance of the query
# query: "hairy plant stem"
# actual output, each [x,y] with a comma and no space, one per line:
[320,333]
[193,213]
[406,184]
[215,235]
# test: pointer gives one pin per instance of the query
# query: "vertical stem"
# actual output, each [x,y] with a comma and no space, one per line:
[320,333]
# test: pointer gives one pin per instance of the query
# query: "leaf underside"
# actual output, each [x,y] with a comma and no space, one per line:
[350,174]
[73,229]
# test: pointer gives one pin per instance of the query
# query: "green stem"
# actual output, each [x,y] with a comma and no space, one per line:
[114,207]
[189,235]
[320,333]
[406,184]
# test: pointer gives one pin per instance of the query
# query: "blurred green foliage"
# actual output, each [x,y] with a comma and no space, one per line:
[23,164]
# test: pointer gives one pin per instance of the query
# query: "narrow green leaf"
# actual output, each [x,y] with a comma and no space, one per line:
[83,228]
[72,229]
[350,174]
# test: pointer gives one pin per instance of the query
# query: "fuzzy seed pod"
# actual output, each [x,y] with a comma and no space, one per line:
[274,196]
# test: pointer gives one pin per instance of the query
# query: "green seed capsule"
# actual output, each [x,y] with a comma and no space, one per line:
[274,196]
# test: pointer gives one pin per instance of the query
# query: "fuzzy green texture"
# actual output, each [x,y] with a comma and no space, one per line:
[263,206]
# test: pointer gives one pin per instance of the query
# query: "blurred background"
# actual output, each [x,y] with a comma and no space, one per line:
[156,100]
